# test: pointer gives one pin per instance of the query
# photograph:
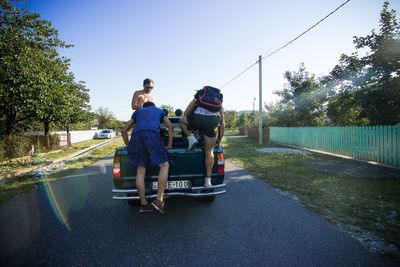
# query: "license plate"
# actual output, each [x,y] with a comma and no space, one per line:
[173,184]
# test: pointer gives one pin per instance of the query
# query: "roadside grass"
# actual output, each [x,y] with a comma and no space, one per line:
[31,161]
[366,208]
[231,131]
[22,184]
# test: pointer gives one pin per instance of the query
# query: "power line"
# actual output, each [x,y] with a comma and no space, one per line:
[237,76]
[285,45]
[306,30]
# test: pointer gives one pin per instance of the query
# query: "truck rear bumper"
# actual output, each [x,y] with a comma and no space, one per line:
[199,191]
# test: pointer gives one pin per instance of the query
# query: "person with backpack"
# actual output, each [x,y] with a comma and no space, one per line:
[205,114]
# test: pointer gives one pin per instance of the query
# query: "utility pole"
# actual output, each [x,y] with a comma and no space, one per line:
[254,104]
[260,102]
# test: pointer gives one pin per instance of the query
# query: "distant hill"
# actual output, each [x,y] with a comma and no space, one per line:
[245,111]
[250,111]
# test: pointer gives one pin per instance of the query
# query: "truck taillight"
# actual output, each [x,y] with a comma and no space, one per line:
[221,163]
[117,167]
[221,168]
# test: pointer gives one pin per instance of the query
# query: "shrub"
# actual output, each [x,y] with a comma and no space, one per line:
[14,146]
[2,151]
[54,141]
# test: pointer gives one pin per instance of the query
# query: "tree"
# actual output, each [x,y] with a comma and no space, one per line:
[345,110]
[243,120]
[304,98]
[115,124]
[231,119]
[343,107]
[281,115]
[75,105]
[380,93]
[54,94]
[76,108]
[35,82]
[254,119]
[105,117]
[28,45]
[369,86]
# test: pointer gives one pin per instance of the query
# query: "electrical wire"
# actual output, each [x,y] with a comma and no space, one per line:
[237,76]
[305,31]
[285,45]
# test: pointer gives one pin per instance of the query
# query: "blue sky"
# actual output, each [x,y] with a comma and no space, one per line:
[183,44]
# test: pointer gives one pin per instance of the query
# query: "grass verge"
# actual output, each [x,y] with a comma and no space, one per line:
[31,161]
[367,208]
[18,185]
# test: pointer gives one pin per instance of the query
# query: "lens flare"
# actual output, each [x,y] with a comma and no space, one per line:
[51,197]
[20,221]
[103,169]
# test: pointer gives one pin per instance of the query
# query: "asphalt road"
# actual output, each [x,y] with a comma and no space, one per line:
[251,225]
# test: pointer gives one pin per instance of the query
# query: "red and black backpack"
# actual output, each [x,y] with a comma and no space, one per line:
[209,98]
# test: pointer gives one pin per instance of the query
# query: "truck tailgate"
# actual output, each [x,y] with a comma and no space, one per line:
[182,163]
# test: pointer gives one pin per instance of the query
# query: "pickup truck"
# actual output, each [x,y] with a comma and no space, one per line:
[186,171]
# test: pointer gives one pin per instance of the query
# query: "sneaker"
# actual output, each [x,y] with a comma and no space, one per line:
[192,142]
[146,208]
[160,206]
[207,184]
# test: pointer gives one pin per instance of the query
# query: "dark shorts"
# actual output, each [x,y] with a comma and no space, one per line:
[146,147]
[205,124]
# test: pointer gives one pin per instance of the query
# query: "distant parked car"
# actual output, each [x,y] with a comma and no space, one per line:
[105,134]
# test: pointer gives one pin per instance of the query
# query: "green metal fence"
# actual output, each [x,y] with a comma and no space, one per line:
[376,143]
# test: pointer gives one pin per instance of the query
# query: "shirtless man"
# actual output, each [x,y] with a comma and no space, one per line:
[142,96]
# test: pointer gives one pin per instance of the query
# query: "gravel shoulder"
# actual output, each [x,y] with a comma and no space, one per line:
[351,167]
